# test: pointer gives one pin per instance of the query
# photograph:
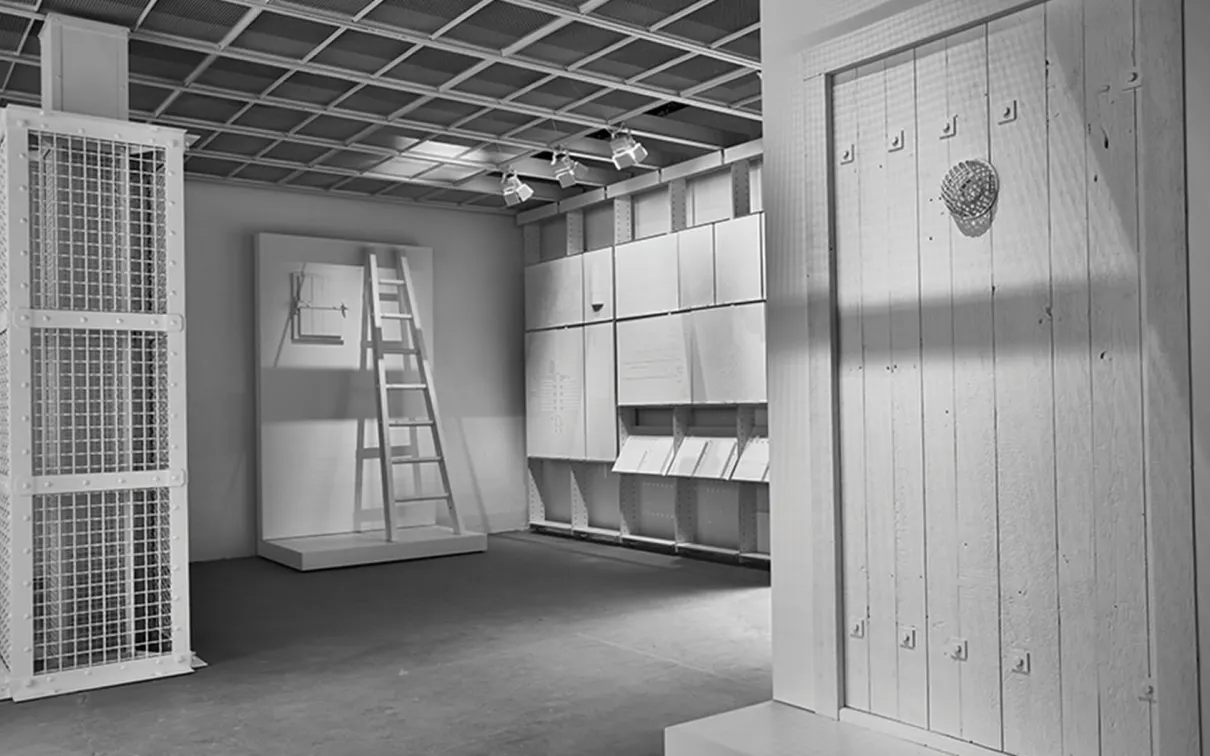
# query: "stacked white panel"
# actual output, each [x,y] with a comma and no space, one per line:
[93,517]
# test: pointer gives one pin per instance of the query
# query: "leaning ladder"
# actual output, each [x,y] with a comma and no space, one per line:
[412,345]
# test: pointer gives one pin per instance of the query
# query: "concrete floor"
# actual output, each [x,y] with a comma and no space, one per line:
[540,646]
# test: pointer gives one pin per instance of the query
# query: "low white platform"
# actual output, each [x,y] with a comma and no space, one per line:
[775,729]
[371,547]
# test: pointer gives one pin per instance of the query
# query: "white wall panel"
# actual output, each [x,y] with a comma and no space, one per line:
[737,260]
[554,373]
[716,513]
[653,361]
[695,253]
[598,227]
[1025,445]
[646,277]
[598,285]
[756,189]
[708,198]
[728,365]
[651,213]
[554,293]
[552,237]
[600,401]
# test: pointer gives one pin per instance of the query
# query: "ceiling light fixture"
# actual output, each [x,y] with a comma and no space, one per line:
[567,171]
[627,153]
[515,190]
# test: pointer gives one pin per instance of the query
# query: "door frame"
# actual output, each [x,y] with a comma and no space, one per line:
[1168,456]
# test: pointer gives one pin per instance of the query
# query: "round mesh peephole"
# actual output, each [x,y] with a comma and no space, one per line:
[970,189]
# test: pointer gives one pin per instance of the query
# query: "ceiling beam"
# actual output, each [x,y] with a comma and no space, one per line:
[638,32]
[385,199]
[481,185]
[550,28]
[695,167]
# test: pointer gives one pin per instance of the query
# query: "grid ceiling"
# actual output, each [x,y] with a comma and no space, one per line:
[422,100]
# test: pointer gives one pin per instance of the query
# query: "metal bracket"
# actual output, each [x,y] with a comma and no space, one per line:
[957,649]
[25,317]
[1008,112]
[949,129]
[1018,661]
[857,628]
[897,142]
[848,154]
[66,484]
[1132,79]
[907,637]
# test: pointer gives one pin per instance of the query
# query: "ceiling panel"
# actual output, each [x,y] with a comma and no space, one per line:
[288,88]
[208,20]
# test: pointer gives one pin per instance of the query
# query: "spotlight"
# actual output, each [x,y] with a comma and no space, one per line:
[515,190]
[627,153]
[567,171]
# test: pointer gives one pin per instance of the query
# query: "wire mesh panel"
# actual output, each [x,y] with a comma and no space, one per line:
[98,218]
[96,567]
[101,579]
[100,401]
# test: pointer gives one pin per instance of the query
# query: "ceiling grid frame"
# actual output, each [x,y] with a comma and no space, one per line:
[504,95]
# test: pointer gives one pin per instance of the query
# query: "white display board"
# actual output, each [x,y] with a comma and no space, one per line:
[646,280]
[737,259]
[695,255]
[554,377]
[728,354]
[317,465]
[598,285]
[600,400]
[554,293]
[654,361]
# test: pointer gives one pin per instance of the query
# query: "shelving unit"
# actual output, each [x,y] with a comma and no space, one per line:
[645,364]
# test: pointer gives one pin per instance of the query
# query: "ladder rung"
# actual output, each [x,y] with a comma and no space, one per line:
[391,281]
[393,347]
[414,460]
[405,387]
[410,423]
[396,316]
[420,498]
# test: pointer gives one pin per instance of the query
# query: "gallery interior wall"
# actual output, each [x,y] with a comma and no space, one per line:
[478,322]
[790,27]
[1197,99]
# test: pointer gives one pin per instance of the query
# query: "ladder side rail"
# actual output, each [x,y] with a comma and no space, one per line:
[385,449]
[430,393]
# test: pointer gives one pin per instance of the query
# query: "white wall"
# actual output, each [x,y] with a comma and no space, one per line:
[789,26]
[478,327]
[1197,140]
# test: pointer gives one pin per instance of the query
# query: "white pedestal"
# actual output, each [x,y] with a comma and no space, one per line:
[775,729]
[350,549]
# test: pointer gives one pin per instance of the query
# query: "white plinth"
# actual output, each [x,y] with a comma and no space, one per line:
[774,729]
[370,547]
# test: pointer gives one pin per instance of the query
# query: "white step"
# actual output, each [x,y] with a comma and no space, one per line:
[421,498]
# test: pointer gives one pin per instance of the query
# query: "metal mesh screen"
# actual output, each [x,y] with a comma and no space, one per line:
[98,222]
[6,598]
[3,231]
[100,401]
[102,589]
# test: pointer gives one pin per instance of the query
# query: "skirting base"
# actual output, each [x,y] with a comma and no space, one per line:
[371,547]
[775,729]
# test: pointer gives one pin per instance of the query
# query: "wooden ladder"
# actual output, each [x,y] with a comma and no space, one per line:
[412,345]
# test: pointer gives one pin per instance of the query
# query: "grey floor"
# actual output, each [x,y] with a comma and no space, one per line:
[540,646]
